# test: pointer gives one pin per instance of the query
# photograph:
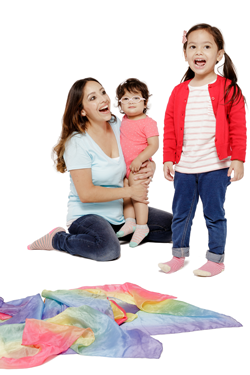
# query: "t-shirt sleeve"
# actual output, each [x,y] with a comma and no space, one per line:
[76,155]
[151,129]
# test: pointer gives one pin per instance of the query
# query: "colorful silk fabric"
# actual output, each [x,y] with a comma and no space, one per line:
[109,321]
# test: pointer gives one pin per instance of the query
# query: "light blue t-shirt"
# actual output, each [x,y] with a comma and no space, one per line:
[81,152]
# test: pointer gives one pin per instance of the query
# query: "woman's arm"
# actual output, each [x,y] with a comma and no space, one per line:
[89,193]
[146,172]
[147,153]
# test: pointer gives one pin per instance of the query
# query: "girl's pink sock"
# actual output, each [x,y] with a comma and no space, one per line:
[210,269]
[45,242]
[173,265]
[127,228]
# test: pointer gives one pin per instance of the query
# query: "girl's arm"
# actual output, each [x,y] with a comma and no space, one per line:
[238,167]
[147,153]
[168,170]
[237,130]
[169,138]
[237,134]
[89,193]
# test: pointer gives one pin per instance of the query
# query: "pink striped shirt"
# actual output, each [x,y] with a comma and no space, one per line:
[199,153]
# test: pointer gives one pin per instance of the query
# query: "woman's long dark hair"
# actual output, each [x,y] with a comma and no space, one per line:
[229,71]
[72,121]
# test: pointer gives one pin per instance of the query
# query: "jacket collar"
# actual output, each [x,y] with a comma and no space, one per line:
[217,82]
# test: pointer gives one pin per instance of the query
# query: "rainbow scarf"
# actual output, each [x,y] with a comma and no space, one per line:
[110,321]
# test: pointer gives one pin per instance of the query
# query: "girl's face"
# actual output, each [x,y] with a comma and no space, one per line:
[132,109]
[202,52]
[96,103]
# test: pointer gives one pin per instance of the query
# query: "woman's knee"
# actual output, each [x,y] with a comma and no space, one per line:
[108,250]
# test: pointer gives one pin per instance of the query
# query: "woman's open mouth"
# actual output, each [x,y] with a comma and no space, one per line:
[104,109]
[200,63]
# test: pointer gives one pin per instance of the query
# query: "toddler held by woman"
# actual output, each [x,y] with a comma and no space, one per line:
[139,141]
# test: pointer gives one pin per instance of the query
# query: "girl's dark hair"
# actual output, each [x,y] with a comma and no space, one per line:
[229,71]
[132,85]
[72,120]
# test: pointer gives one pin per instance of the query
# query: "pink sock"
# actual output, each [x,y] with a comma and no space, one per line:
[140,233]
[210,269]
[173,265]
[45,242]
[127,228]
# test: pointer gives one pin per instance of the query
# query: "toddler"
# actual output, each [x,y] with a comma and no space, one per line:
[139,141]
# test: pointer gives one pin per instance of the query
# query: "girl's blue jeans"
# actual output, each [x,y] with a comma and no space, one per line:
[93,237]
[211,188]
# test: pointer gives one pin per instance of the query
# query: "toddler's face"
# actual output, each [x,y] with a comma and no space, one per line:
[130,107]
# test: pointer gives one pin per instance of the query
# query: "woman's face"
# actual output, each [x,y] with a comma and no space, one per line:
[96,103]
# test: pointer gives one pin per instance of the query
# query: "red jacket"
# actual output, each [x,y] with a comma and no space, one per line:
[230,135]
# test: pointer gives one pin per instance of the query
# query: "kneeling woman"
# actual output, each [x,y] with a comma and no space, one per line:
[89,148]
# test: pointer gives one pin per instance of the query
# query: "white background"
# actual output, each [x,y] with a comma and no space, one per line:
[45,47]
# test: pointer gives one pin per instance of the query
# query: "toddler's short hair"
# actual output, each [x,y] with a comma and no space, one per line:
[133,85]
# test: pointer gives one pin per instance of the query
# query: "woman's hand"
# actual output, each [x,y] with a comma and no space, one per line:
[146,172]
[139,192]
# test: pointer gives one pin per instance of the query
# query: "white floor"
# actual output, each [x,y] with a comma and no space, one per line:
[26,273]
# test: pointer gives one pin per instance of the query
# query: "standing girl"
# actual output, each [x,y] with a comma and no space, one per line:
[205,137]
[139,141]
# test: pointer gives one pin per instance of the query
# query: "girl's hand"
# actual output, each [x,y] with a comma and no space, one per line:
[168,170]
[238,167]
[139,192]
[135,165]
[146,172]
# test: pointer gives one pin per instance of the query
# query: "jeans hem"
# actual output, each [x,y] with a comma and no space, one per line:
[180,252]
[217,258]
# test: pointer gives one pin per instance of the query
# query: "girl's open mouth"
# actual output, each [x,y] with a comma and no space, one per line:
[200,63]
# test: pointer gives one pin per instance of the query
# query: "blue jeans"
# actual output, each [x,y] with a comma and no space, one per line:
[211,187]
[93,237]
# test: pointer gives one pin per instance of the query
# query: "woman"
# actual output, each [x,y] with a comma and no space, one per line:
[89,148]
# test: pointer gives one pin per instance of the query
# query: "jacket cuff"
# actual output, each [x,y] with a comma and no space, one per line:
[238,155]
[168,156]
